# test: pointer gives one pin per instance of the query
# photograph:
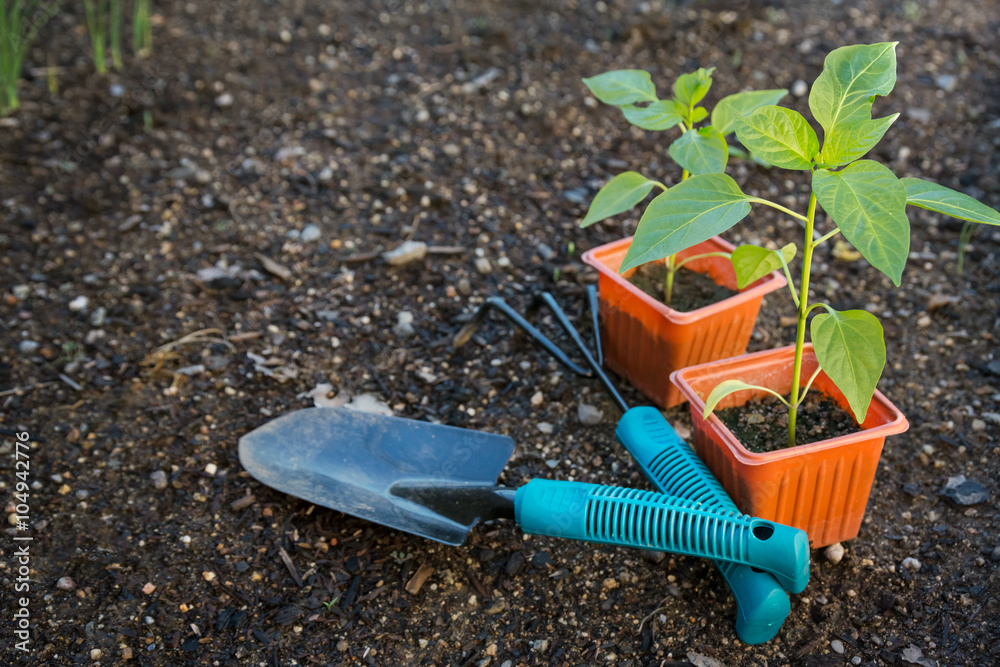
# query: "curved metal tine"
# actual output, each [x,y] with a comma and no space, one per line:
[595,311]
[578,340]
[465,333]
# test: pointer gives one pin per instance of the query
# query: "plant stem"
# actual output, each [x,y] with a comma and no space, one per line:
[830,234]
[800,334]
[672,265]
[116,33]
[767,202]
[13,103]
[668,292]
[680,265]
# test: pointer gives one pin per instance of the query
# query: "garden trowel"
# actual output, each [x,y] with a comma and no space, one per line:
[667,461]
[438,481]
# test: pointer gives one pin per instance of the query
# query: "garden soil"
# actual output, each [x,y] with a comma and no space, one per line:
[191,247]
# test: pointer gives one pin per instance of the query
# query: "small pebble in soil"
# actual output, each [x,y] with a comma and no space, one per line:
[211,469]
[799,88]
[159,479]
[404,324]
[406,252]
[483,265]
[148,588]
[837,646]
[537,398]
[27,347]
[947,82]
[464,287]
[99,317]
[964,491]
[545,252]
[589,415]
[65,584]
[79,304]
[912,564]
[224,100]
[545,428]
[96,654]
[310,233]
[834,553]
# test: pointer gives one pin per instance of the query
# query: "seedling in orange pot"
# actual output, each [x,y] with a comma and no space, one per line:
[821,487]
[681,308]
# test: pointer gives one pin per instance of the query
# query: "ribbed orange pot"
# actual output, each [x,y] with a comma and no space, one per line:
[644,340]
[821,487]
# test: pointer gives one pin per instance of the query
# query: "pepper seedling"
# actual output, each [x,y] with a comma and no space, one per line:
[699,150]
[864,199]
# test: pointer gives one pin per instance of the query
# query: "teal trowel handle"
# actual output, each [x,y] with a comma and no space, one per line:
[673,467]
[648,520]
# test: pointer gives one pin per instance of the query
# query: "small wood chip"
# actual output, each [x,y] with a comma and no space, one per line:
[248,335]
[290,565]
[70,382]
[130,223]
[445,250]
[418,579]
[240,503]
[273,267]
[359,258]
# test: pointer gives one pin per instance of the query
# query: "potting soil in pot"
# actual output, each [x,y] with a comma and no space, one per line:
[761,425]
[692,290]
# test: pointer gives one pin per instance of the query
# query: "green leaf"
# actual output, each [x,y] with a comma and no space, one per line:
[752,262]
[851,77]
[731,107]
[660,115]
[868,203]
[689,89]
[617,196]
[622,86]
[841,99]
[690,212]
[851,350]
[946,201]
[701,151]
[698,114]
[727,387]
[780,136]
[851,140]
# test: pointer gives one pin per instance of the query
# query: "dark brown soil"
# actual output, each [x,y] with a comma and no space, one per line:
[362,118]
[692,290]
[762,425]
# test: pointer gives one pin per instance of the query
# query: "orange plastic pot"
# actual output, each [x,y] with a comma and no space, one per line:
[822,487]
[645,341]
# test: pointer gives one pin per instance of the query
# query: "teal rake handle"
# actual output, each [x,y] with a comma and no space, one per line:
[648,520]
[761,604]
